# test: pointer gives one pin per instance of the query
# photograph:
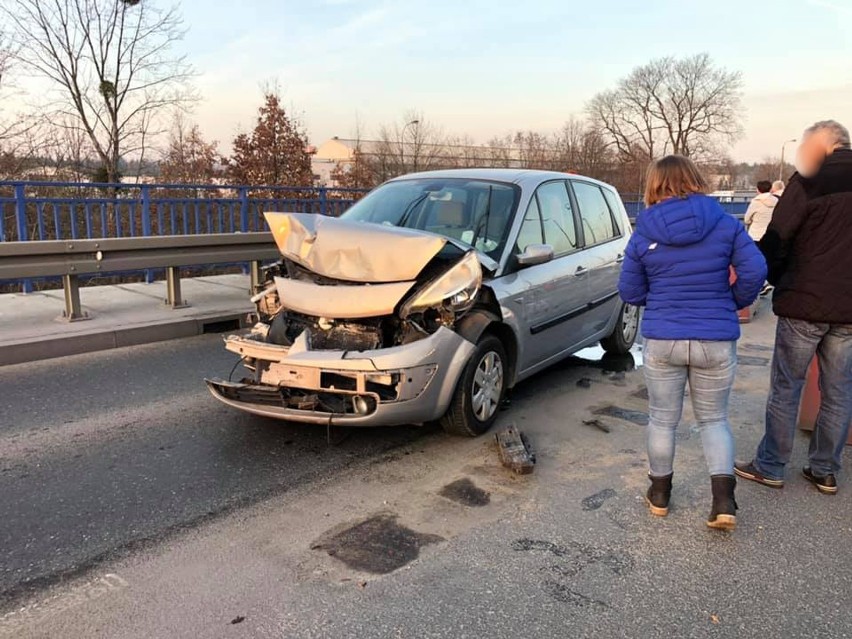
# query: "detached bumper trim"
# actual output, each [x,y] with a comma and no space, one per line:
[267,402]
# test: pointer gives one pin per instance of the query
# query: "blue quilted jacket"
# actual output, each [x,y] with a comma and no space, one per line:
[677,266]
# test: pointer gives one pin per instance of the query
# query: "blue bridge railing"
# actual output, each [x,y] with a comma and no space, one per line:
[72,210]
[69,210]
[634,205]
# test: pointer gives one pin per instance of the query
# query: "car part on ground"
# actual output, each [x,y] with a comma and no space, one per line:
[515,451]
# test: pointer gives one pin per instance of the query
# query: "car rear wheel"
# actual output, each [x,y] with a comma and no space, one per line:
[624,335]
[480,390]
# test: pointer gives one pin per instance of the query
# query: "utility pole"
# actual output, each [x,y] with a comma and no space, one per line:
[402,148]
[781,168]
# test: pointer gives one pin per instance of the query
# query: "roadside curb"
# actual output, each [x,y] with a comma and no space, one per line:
[49,347]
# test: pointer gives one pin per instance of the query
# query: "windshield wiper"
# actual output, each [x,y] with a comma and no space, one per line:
[483,221]
[410,209]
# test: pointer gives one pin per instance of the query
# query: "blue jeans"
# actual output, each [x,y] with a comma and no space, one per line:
[796,343]
[710,368]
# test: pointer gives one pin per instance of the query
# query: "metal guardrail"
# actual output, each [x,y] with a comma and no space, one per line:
[69,259]
[43,211]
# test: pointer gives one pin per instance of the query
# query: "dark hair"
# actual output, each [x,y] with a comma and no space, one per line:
[673,176]
[764,186]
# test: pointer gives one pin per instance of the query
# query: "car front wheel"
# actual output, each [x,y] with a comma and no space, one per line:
[480,390]
[624,334]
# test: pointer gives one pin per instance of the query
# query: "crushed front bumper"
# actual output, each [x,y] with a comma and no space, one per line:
[413,383]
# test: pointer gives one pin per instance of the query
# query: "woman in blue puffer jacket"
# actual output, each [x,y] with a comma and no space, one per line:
[678,266]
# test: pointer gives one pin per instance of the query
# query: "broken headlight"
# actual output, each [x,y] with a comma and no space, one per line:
[456,289]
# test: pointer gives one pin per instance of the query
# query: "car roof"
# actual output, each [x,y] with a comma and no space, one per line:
[521,177]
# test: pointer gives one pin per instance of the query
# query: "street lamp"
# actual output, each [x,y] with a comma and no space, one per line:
[402,149]
[781,168]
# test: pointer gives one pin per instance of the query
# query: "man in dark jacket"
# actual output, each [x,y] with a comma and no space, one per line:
[808,247]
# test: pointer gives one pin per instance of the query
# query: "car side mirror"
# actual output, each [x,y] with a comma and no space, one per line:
[535,254]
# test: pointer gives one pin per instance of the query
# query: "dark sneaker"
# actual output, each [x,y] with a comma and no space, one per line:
[825,484]
[746,470]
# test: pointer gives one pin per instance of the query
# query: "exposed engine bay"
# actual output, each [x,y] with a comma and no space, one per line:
[406,310]
[316,300]
[281,325]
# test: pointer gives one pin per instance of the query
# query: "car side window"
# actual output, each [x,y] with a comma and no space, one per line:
[530,232]
[557,217]
[615,207]
[598,224]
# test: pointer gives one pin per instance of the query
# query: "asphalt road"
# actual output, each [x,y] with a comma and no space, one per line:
[241,527]
[112,451]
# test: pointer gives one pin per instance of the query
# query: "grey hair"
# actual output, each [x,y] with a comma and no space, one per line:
[837,133]
[778,185]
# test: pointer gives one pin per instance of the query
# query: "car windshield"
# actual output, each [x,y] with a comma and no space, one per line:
[476,213]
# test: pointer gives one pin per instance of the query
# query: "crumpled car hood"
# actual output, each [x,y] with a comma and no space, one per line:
[353,251]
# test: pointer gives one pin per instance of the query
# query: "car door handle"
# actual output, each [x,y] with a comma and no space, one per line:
[619,258]
[581,270]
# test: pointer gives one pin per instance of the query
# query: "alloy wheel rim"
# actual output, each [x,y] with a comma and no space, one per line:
[629,322]
[487,386]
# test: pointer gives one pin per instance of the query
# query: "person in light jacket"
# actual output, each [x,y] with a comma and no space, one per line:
[759,213]
[678,266]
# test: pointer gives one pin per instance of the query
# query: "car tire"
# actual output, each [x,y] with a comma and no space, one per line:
[624,334]
[480,390]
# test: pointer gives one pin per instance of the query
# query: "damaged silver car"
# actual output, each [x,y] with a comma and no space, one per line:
[431,297]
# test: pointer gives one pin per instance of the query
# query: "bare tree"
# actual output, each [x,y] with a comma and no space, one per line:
[189,158]
[535,151]
[627,123]
[413,144]
[582,148]
[501,152]
[462,152]
[10,126]
[110,63]
[671,105]
[6,54]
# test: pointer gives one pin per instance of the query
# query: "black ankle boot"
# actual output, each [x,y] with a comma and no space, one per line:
[659,494]
[724,512]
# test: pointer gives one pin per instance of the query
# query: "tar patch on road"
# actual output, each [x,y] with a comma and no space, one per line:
[593,502]
[637,417]
[465,492]
[565,567]
[378,545]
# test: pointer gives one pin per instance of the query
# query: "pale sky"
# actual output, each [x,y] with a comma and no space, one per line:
[485,67]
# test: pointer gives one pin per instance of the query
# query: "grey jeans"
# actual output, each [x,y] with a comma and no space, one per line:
[709,367]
